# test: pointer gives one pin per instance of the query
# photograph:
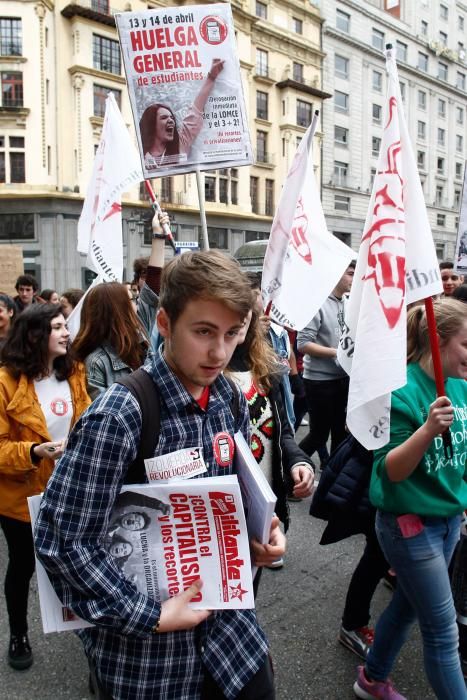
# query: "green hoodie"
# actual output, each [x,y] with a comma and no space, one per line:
[437,486]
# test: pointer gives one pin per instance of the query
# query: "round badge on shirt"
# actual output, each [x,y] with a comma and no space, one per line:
[59,407]
[223,447]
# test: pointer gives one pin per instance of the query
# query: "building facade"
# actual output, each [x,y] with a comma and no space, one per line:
[58,61]
[430,40]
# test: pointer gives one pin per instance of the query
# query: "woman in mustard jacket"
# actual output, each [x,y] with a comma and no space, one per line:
[42,394]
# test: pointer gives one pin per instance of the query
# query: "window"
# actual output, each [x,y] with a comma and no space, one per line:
[441,108]
[457,198]
[439,195]
[218,237]
[377,39]
[19,226]
[223,187]
[443,38]
[101,6]
[340,173]
[377,113]
[422,61]
[262,105]
[261,146]
[261,10]
[441,137]
[402,87]
[440,166]
[459,115]
[262,62]
[401,51]
[166,189]
[441,219]
[100,95]
[372,177]
[460,81]
[297,25]
[460,23]
[377,81]
[341,136]
[12,89]
[209,188]
[421,160]
[269,197]
[254,181]
[342,21]
[297,72]
[424,27]
[304,112]
[233,186]
[459,143]
[443,11]
[10,36]
[341,66]
[341,101]
[341,202]
[440,250]
[375,146]
[442,70]
[106,54]
[421,99]
[459,170]
[12,159]
[421,130]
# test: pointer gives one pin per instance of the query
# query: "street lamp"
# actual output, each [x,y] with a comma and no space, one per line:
[135,223]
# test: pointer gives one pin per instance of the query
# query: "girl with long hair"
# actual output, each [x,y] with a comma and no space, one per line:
[42,394]
[420,493]
[111,340]
[255,368]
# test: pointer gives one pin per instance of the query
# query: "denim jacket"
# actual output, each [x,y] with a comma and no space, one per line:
[103,368]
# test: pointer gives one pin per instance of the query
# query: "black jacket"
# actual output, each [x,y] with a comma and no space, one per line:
[342,494]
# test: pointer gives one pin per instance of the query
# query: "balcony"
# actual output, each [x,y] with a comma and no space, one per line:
[265,73]
[97,10]
[264,158]
[298,82]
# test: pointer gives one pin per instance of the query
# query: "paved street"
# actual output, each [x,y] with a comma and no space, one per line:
[299,607]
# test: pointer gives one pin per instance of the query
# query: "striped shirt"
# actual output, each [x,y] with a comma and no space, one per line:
[130,661]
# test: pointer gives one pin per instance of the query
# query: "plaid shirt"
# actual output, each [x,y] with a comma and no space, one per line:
[75,512]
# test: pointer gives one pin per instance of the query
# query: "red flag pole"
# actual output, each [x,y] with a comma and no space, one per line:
[156,206]
[437,367]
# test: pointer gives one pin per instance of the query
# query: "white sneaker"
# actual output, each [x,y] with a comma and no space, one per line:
[304,422]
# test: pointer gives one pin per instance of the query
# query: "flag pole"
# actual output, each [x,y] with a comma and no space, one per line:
[314,124]
[437,368]
[202,210]
[157,208]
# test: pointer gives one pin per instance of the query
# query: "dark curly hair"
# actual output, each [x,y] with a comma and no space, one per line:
[26,349]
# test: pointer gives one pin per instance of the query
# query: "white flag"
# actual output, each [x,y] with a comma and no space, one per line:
[396,265]
[303,261]
[117,167]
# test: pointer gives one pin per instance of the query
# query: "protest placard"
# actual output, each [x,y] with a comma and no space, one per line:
[185,88]
[165,536]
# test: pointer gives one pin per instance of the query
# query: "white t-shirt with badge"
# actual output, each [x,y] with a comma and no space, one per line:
[57,405]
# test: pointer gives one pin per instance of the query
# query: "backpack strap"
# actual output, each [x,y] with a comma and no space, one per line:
[144,389]
[235,403]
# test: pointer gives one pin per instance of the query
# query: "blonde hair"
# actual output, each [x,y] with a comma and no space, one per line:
[450,316]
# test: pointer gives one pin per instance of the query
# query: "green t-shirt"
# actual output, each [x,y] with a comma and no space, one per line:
[437,486]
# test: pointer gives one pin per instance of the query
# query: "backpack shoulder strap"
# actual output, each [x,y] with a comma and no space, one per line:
[235,403]
[145,391]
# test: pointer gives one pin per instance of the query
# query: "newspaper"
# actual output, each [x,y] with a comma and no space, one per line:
[259,499]
[164,537]
[185,88]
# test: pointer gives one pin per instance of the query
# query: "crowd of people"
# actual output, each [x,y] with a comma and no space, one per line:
[71,427]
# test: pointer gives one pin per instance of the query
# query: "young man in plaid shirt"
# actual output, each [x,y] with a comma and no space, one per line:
[138,648]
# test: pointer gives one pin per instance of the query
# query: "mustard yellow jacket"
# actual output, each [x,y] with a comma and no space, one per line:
[22,423]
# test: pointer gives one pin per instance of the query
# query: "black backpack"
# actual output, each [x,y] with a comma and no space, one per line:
[145,391]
